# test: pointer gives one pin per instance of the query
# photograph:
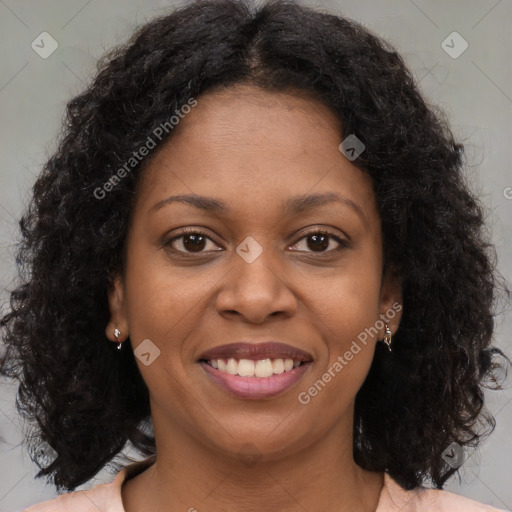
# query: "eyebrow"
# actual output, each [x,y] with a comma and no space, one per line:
[291,206]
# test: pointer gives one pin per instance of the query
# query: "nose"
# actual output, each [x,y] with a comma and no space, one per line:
[256,291]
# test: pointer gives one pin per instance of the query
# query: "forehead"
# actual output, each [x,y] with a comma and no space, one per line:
[252,116]
[248,146]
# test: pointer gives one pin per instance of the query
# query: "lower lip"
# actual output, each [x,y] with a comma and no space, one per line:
[256,387]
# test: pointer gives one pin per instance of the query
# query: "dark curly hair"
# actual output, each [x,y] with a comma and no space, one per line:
[87,400]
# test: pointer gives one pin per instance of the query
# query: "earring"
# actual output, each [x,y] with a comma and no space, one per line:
[117,333]
[387,337]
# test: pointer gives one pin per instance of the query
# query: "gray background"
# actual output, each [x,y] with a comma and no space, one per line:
[473,89]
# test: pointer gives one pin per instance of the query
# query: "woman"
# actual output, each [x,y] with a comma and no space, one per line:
[254,258]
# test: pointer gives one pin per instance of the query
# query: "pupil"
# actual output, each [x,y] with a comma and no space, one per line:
[197,242]
[323,244]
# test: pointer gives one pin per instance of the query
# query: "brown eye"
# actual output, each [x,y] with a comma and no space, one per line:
[191,242]
[319,242]
[194,243]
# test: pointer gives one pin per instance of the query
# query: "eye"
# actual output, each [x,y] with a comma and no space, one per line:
[319,241]
[192,240]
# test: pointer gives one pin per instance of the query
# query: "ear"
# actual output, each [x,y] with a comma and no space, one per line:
[391,304]
[118,317]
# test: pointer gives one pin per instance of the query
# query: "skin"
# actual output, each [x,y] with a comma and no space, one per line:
[253,150]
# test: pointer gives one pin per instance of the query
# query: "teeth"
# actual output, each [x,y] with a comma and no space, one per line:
[250,368]
[232,367]
[264,368]
[278,365]
[246,368]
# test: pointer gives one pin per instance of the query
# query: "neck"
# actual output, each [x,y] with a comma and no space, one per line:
[189,476]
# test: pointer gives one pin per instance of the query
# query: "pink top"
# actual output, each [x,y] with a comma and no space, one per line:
[393,498]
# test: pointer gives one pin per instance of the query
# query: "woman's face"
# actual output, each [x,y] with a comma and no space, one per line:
[290,251]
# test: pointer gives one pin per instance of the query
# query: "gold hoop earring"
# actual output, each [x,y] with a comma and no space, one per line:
[387,336]
[117,333]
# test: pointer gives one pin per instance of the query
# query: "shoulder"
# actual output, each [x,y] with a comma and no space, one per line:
[104,497]
[395,498]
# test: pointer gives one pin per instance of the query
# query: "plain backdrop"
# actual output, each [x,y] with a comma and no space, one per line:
[472,86]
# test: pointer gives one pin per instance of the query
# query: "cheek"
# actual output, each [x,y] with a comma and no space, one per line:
[163,306]
[346,306]
[348,301]
[160,302]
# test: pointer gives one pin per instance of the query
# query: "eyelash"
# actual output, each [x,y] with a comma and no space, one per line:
[343,244]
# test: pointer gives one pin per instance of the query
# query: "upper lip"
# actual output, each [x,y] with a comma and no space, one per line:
[247,350]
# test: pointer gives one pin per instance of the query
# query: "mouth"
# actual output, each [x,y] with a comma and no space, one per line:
[249,370]
[259,369]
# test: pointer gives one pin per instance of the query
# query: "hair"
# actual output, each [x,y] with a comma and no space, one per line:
[87,400]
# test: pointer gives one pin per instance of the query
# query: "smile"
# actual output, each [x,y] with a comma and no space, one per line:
[250,368]
[249,379]
[255,370]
